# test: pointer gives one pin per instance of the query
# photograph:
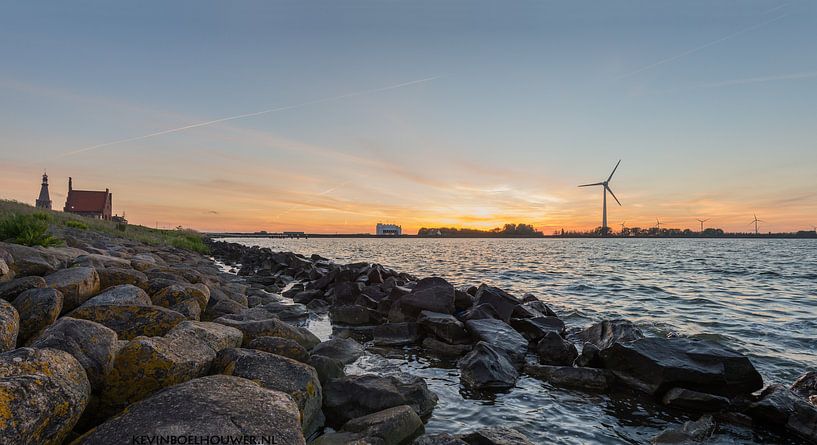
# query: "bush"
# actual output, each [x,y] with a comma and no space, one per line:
[28,230]
[76,224]
[188,240]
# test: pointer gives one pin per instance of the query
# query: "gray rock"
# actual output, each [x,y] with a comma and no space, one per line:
[177,294]
[219,308]
[125,294]
[655,365]
[393,426]
[353,314]
[92,344]
[501,336]
[345,350]
[486,368]
[806,385]
[99,261]
[117,276]
[444,349]
[780,407]
[327,368]
[77,284]
[552,349]
[590,379]
[349,397]
[535,328]
[606,332]
[444,326]
[480,312]
[590,357]
[6,274]
[37,308]
[44,392]
[9,326]
[280,346]
[432,294]
[10,290]
[690,400]
[271,327]
[503,302]
[497,435]
[396,334]
[439,439]
[690,432]
[131,321]
[217,405]
[278,373]
[31,260]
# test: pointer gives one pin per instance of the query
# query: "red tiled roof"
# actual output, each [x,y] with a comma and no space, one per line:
[86,201]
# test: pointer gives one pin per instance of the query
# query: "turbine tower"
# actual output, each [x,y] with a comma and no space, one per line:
[755,221]
[605,188]
[702,221]
[658,223]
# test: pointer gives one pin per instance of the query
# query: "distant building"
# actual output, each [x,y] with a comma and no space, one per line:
[90,203]
[389,229]
[44,201]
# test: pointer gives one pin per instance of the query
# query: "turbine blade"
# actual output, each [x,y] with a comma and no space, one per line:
[614,170]
[614,195]
[588,185]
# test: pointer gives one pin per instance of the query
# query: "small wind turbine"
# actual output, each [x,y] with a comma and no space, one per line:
[658,223]
[605,188]
[622,225]
[755,221]
[702,221]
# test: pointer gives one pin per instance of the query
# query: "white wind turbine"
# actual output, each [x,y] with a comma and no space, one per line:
[702,221]
[605,188]
[755,221]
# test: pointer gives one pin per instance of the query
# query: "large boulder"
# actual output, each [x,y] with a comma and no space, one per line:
[806,385]
[327,368]
[272,327]
[443,349]
[32,260]
[10,290]
[392,426]
[444,326]
[147,364]
[552,349]
[280,346]
[501,336]
[213,406]
[100,261]
[439,439]
[130,321]
[38,308]
[496,435]
[124,294]
[345,350]
[690,400]
[9,326]
[354,314]
[6,274]
[432,294]
[77,284]
[590,379]
[178,295]
[781,407]
[691,432]
[117,276]
[486,368]
[396,334]
[503,302]
[535,328]
[42,395]
[654,365]
[606,332]
[92,344]
[349,397]
[279,373]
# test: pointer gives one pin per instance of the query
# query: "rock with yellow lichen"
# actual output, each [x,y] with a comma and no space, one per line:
[77,284]
[9,326]
[279,373]
[130,320]
[38,308]
[272,327]
[216,405]
[42,395]
[175,294]
[147,364]
[92,344]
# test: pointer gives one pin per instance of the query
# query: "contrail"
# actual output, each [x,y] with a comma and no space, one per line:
[700,48]
[242,116]
[741,81]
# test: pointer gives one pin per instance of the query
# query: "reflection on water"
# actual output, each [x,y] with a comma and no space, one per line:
[756,296]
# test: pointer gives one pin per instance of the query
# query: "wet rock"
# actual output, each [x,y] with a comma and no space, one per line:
[77,284]
[444,349]
[271,327]
[590,379]
[552,349]
[806,385]
[148,364]
[503,302]
[217,405]
[354,315]
[125,294]
[480,312]
[690,400]
[345,438]
[501,336]
[439,439]
[533,308]
[606,332]
[37,308]
[116,276]
[486,368]
[396,334]
[42,395]
[655,365]
[497,435]
[99,261]
[345,350]
[131,321]
[10,290]
[280,346]
[393,426]
[327,368]
[462,300]
[9,326]
[444,326]
[349,397]
[779,406]
[431,294]
[690,432]
[93,345]
[306,296]
[533,329]
[177,294]
[590,357]
[32,261]
[278,373]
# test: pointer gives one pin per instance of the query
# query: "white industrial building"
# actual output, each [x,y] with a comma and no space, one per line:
[389,229]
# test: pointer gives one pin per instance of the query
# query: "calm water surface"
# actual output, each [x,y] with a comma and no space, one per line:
[756,296]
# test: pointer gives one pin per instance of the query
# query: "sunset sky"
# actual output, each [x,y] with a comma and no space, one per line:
[420,113]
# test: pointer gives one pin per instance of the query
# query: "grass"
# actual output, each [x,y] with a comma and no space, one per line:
[20,217]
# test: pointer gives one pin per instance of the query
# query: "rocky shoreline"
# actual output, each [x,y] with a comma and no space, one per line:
[112,341]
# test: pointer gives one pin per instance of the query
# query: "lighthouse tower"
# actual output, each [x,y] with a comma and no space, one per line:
[44,201]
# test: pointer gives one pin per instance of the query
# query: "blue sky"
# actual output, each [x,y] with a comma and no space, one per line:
[710,104]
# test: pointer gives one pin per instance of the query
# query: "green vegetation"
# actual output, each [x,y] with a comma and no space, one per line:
[22,220]
[509,230]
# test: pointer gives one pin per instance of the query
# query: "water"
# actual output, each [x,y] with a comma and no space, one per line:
[756,296]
